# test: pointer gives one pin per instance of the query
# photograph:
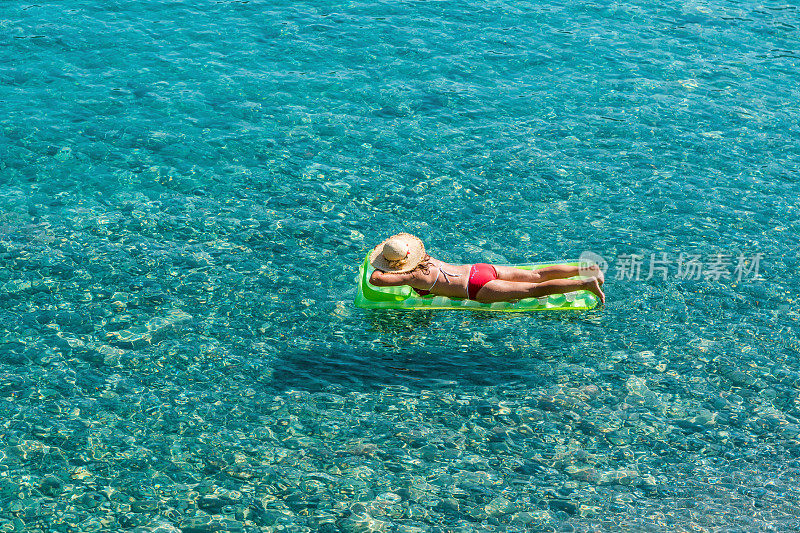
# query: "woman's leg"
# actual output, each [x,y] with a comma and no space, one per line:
[499,290]
[547,273]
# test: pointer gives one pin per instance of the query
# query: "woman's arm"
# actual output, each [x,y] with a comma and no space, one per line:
[390,279]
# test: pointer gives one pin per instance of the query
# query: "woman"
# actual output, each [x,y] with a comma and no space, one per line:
[401,260]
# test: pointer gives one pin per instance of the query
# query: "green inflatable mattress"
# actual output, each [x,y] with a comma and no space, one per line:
[403,297]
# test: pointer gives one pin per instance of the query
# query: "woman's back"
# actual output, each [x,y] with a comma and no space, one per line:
[440,278]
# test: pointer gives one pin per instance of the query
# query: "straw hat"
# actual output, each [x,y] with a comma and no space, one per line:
[399,253]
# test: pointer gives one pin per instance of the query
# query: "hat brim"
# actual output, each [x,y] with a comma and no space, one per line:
[416,253]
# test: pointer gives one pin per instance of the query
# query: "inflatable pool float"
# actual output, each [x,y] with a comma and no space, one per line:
[403,297]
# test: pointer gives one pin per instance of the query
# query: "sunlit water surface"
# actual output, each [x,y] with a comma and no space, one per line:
[187,188]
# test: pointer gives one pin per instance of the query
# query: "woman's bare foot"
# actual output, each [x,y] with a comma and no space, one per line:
[593,286]
[594,271]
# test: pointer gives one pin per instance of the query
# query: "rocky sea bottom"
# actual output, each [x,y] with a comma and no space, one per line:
[149,384]
[196,446]
[181,225]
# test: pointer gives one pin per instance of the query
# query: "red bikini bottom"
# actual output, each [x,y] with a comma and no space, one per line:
[479,275]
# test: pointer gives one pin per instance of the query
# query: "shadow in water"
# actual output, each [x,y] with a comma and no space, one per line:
[410,365]
[423,349]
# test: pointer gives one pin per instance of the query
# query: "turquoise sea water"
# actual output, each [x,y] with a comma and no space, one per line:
[187,189]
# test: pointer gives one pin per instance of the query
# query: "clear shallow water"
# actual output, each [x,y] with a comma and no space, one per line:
[186,190]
